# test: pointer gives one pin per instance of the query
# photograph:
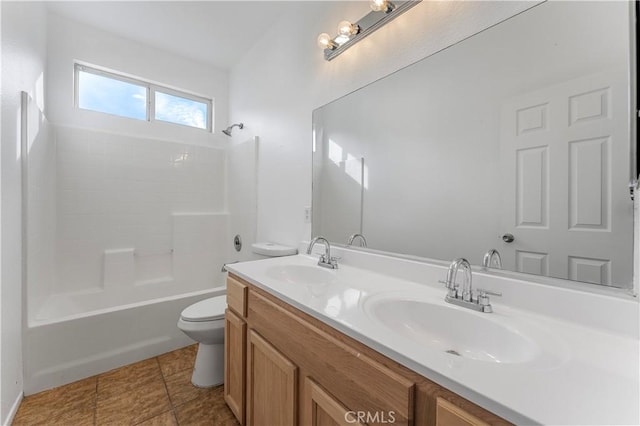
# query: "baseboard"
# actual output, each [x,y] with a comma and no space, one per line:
[14,410]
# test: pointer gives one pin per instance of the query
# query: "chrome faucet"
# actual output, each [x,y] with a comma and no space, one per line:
[492,257]
[452,286]
[466,297]
[363,240]
[326,261]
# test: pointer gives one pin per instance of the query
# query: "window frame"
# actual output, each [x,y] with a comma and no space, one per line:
[151,89]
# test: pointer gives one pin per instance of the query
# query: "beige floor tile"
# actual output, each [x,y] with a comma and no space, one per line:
[49,405]
[134,405]
[207,409]
[122,380]
[180,388]
[81,416]
[164,419]
[78,416]
[178,360]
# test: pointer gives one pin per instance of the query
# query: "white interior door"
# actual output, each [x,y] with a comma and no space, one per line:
[565,160]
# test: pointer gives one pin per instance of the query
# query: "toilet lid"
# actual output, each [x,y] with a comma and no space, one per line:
[273,250]
[205,310]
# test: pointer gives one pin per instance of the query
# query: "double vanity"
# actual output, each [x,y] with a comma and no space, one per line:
[375,342]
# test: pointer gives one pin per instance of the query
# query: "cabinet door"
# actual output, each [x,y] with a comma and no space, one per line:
[271,385]
[322,409]
[448,414]
[237,296]
[235,337]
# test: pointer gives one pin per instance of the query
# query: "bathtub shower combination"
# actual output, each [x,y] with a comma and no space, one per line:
[122,233]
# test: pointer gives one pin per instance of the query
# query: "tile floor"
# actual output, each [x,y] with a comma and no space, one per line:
[156,391]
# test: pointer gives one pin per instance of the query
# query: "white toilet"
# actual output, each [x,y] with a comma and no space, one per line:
[204,322]
[264,250]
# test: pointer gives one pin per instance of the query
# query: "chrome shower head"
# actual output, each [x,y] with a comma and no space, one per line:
[228,130]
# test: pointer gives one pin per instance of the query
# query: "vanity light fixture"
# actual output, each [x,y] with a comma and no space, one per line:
[325,42]
[381,6]
[383,11]
[347,29]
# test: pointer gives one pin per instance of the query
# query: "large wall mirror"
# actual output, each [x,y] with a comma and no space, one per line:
[524,129]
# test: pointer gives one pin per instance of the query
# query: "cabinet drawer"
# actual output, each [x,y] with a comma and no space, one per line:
[237,295]
[356,380]
[448,414]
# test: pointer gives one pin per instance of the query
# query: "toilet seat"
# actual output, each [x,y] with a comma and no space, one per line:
[206,310]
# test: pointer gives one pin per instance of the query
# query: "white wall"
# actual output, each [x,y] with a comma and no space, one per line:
[284,77]
[23,63]
[70,41]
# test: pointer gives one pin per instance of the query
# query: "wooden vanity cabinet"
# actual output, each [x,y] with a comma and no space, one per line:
[300,371]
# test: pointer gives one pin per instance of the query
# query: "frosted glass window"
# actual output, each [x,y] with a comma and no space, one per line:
[180,110]
[102,93]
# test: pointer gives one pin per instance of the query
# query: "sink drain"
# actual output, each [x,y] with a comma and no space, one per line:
[452,352]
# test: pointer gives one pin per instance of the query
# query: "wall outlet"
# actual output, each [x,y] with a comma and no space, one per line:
[307,214]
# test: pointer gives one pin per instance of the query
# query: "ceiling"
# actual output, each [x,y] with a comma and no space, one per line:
[214,32]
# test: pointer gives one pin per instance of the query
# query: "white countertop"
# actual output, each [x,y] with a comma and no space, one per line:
[583,375]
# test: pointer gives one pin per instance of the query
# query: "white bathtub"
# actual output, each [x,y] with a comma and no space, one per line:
[74,336]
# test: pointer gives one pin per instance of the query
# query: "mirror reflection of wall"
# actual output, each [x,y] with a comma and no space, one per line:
[521,129]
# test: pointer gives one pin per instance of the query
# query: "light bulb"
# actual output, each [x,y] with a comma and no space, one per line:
[325,42]
[381,6]
[347,29]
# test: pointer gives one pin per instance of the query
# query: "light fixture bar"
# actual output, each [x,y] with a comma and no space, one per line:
[370,23]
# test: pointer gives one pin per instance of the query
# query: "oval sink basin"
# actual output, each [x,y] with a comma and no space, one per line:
[469,334]
[300,274]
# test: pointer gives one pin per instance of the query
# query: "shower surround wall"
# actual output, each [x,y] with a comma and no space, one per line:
[130,191]
[41,207]
[141,232]
[136,211]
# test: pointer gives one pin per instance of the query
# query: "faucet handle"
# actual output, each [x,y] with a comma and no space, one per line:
[323,257]
[451,288]
[483,292]
[450,285]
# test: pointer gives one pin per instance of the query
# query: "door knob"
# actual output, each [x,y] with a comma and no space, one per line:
[508,238]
